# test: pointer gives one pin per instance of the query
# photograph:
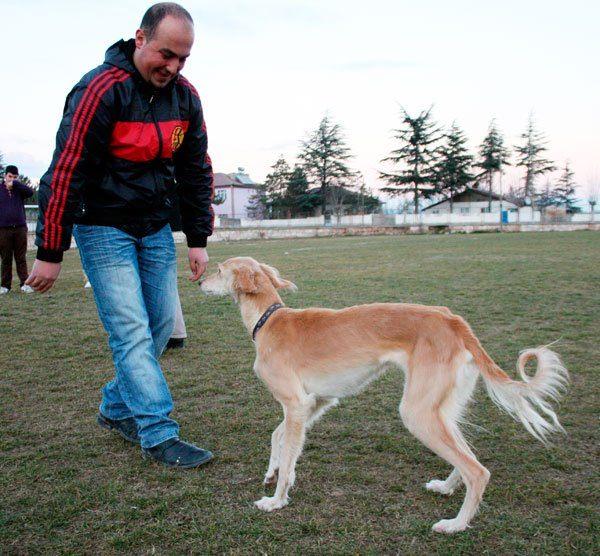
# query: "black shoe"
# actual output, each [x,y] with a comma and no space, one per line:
[176,453]
[125,427]
[175,343]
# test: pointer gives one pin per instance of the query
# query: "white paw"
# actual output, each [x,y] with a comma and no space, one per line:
[270,478]
[270,503]
[439,486]
[449,526]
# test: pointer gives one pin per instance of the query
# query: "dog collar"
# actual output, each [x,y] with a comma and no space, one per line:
[265,318]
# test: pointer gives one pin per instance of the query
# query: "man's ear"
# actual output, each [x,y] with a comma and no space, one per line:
[140,38]
[279,282]
[244,280]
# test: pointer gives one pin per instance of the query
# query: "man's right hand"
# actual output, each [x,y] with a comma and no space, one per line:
[43,275]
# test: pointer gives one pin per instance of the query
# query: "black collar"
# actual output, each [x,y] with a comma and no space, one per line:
[265,317]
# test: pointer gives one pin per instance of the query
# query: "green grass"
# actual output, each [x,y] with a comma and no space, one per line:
[67,486]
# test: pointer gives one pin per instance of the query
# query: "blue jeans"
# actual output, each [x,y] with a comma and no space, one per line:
[135,287]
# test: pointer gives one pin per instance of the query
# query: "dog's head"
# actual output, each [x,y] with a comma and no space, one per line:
[244,275]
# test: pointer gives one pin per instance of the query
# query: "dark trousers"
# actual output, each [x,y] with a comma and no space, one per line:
[13,243]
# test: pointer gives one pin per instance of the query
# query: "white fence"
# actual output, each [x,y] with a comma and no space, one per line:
[524,215]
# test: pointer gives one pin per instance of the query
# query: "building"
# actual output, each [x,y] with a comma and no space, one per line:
[233,193]
[471,201]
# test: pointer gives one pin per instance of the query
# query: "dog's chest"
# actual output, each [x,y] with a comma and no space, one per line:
[340,384]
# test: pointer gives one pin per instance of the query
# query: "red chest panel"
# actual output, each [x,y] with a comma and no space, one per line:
[139,141]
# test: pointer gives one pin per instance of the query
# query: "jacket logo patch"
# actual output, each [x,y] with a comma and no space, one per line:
[177,137]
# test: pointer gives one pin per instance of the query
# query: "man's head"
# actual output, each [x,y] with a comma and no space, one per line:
[11,173]
[163,42]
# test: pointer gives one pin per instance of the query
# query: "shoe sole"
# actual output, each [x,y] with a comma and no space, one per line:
[147,456]
[106,425]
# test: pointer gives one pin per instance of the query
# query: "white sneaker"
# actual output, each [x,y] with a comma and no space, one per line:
[26,289]
[4,290]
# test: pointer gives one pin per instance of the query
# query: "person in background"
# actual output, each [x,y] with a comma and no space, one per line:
[13,229]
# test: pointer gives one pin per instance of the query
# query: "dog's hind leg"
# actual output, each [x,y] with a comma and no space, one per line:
[321,406]
[428,410]
[452,482]
[297,413]
[466,378]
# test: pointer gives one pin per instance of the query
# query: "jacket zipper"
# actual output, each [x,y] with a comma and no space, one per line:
[158,133]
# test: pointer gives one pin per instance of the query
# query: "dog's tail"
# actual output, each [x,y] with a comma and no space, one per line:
[527,400]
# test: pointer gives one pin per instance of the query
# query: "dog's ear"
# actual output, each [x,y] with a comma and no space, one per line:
[279,282]
[244,280]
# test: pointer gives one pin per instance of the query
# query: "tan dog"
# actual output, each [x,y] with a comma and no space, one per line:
[310,358]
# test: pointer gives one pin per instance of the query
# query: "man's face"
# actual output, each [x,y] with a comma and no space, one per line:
[9,178]
[163,57]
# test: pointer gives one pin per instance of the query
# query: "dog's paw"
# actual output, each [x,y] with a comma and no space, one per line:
[270,503]
[449,526]
[439,486]
[270,478]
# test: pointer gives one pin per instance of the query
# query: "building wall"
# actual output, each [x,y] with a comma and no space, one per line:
[470,208]
[236,202]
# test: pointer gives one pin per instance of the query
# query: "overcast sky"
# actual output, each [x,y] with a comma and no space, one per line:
[267,71]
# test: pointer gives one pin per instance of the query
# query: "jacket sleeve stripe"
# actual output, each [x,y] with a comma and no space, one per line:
[185,82]
[52,226]
[70,157]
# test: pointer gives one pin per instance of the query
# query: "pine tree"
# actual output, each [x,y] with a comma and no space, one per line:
[530,157]
[297,197]
[416,156]
[546,197]
[258,203]
[453,169]
[493,156]
[324,155]
[564,191]
[275,188]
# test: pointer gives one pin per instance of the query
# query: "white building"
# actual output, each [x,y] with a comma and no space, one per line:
[235,190]
[471,202]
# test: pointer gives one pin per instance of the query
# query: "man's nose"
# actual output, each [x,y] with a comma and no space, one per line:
[173,66]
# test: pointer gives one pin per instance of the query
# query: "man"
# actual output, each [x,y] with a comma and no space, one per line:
[131,128]
[13,229]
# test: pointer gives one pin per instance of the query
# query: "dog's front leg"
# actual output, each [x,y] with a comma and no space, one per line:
[294,433]
[276,439]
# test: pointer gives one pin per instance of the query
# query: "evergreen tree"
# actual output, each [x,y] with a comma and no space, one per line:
[275,188]
[258,203]
[530,156]
[493,156]
[1,164]
[546,197]
[564,193]
[298,199]
[453,169]
[416,156]
[324,155]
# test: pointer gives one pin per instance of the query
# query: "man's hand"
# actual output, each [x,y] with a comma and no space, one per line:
[43,275]
[198,262]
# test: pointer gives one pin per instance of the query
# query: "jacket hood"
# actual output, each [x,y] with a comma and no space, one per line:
[120,55]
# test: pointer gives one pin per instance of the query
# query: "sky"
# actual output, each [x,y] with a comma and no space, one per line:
[269,70]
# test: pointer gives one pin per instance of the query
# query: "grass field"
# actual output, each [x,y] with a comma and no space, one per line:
[68,486]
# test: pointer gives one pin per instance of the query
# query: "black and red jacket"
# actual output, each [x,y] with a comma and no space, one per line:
[123,150]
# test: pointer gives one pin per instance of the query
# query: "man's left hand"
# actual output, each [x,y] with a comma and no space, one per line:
[198,262]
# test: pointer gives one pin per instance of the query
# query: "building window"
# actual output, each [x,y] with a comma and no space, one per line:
[465,210]
[436,211]
[485,209]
